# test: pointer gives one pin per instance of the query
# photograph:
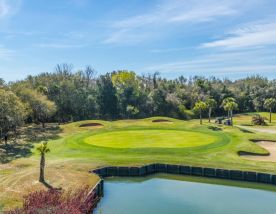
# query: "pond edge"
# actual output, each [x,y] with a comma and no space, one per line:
[226,174]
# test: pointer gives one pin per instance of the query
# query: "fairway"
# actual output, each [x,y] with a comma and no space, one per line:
[150,138]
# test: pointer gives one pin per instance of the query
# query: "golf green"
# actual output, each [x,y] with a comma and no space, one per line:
[151,139]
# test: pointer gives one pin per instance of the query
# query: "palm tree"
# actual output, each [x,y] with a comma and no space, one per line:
[270,104]
[211,103]
[199,107]
[229,104]
[43,149]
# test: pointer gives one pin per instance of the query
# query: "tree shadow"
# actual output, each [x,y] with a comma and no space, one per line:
[36,133]
[214,128]
[49,186]
[20,145]
[13,151]
[246,131]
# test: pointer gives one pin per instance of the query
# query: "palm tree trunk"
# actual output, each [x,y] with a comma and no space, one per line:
[42,165]
[231,117]
[210,111]
[200,117]
[270,115]
[6,139]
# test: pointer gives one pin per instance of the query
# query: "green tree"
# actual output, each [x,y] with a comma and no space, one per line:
[42,149]
[127,90]
[12,113]
[229,104]
[41,107]
[200,106]
[132,111]
[106,97]
[211,104]
[159,102]
[80,95]
[270,104]
[2,83]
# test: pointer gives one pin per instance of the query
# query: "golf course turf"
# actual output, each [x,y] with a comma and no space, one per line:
[151,139]
[138,142]
[81,147]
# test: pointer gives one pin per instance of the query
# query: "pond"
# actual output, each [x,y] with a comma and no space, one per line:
[167,194]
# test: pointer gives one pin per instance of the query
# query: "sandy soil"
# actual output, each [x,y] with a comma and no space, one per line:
[269,146]
[264,130]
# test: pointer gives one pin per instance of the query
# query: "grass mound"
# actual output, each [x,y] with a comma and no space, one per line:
[91,125]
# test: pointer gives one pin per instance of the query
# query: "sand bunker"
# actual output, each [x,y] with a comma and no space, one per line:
[269,146]
[161,121]
[91,125]
[264,130]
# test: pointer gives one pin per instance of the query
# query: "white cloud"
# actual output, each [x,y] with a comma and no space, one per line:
[5,54]
[222,63]
[168,50]
[59,45]
[250,35]
[203,14]
[8,7]
[4,9]
[174,12]
[126,37]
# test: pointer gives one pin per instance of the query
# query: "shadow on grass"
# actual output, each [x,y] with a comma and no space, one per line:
[49,186]
[214,128]
[246,124]
[21,145]
[246,131]
[13,151]
[37,134]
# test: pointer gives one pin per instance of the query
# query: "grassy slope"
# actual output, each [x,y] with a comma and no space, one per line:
[71,157]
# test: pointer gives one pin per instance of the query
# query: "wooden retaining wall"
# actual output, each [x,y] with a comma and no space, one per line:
[237,175]
[95,195]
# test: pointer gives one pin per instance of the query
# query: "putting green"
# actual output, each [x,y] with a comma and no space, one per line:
[151,139]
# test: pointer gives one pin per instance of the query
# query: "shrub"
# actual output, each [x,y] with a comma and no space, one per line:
[258,120]
[56,202]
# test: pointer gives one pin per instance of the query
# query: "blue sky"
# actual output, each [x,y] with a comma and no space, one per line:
[226,38]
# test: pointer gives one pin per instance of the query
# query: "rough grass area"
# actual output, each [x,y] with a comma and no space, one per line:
[245,119]
[75,150]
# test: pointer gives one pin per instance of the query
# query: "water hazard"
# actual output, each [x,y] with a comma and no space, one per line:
[167,194]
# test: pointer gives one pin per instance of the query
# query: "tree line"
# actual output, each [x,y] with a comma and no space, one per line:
[67,95]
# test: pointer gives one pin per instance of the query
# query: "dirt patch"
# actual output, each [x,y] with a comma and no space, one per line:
[161,121]
[269,146]
[91,125]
